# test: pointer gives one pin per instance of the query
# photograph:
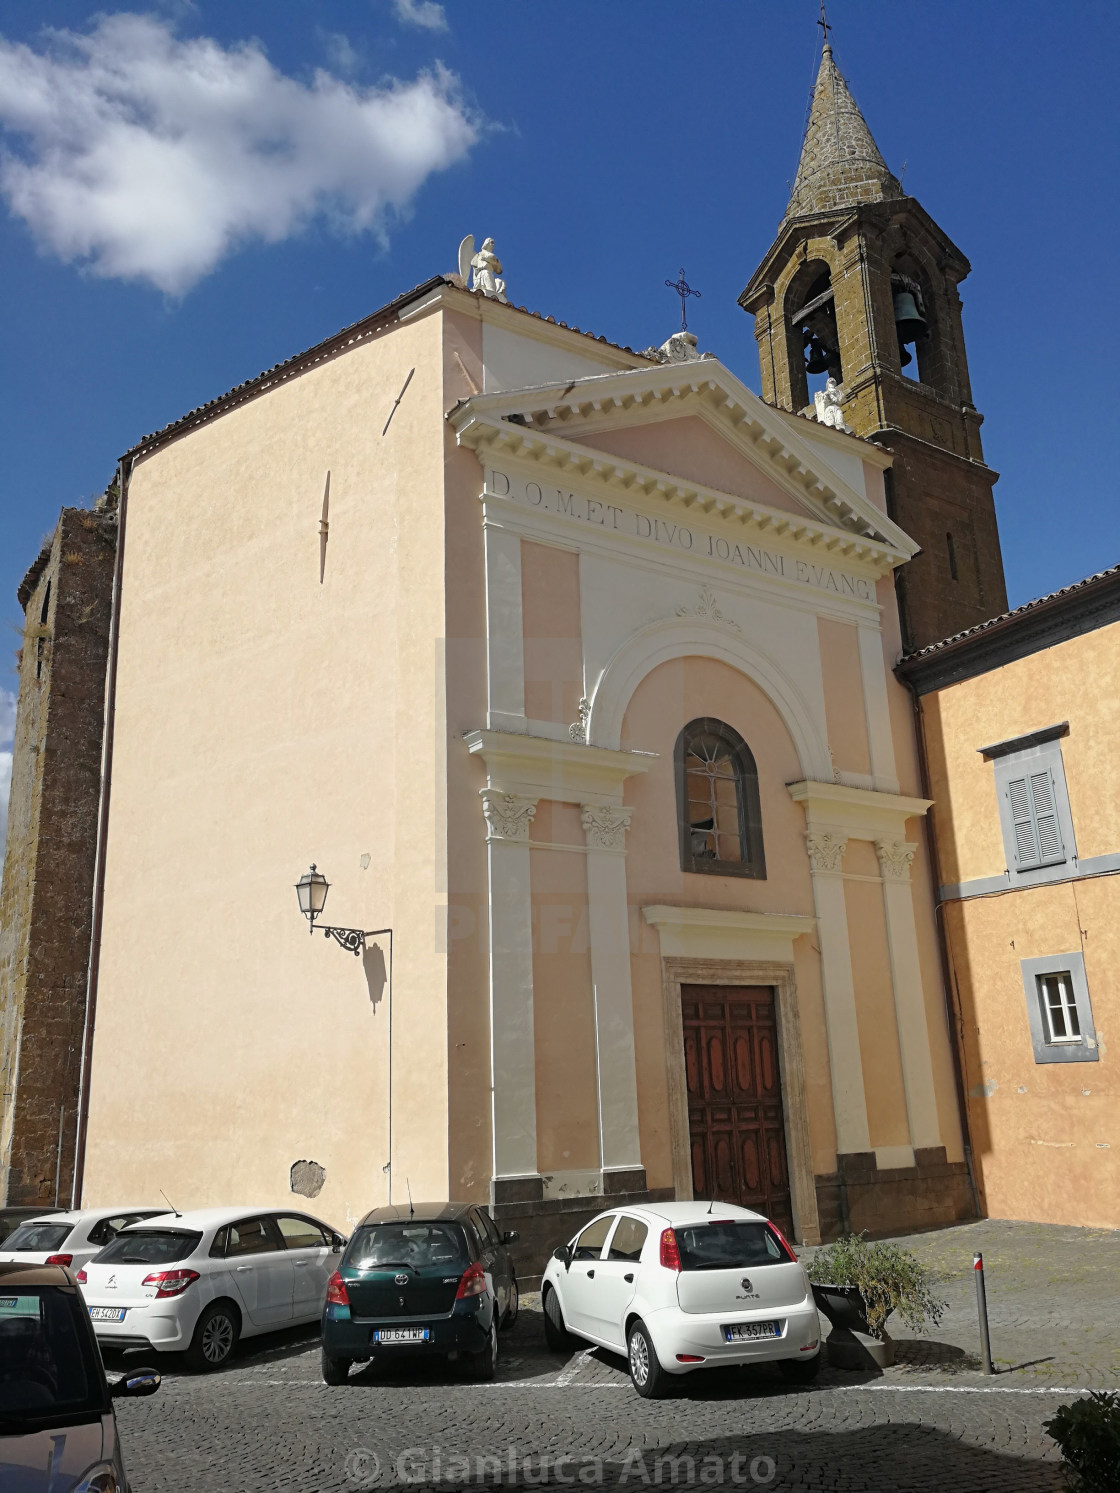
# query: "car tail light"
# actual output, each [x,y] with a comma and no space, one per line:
[170,1282]
[81,1277]
[782,1240]
[59,1260]
[336,1291]
[472,1284]
[670,1251]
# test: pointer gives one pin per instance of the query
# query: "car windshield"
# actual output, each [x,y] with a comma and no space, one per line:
[49,1369]
[728,1244]
[406,1245]
[38,1238]
[148,1247]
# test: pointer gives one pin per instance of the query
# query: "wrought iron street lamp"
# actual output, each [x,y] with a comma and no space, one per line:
[312,889]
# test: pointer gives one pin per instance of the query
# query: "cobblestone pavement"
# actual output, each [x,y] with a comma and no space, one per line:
[932,1422]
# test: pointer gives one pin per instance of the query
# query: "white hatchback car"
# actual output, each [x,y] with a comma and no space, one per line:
[195,1283]
[70,1239]
[683,1286]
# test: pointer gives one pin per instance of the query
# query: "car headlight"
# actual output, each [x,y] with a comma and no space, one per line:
[101,1478]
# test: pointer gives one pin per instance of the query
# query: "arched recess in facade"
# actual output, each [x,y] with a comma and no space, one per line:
[664,641]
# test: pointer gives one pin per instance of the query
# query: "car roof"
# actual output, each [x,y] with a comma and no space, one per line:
[418,1213]
[678,1214]
[213,1218]
[84,1215]
[14,1273]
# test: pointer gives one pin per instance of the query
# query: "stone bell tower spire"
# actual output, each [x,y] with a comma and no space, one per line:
[860,286]
[840,163]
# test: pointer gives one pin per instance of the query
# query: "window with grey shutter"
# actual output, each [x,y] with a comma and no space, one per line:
[1034,818]
[1034,810]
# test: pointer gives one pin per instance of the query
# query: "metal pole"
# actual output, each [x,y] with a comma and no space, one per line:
[982,1310]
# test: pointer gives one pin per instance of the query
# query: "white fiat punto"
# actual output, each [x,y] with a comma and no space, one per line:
[683,1286]
[195,1283]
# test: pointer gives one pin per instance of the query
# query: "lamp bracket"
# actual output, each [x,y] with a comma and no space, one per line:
[351,939]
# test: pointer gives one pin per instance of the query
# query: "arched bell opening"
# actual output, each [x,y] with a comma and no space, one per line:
[915,322]
[813,341]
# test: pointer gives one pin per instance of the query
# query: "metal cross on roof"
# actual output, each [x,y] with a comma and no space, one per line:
[684,290]
[824,25]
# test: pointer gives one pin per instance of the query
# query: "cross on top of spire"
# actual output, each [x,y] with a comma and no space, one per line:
[840,163]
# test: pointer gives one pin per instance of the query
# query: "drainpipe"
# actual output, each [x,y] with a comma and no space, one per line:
[953,1016]
[124,468]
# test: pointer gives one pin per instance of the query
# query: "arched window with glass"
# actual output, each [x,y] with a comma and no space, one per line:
[718,808]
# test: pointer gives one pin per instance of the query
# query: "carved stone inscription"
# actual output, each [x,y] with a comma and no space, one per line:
[689,539]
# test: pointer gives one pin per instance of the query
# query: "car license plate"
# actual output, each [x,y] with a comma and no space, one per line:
[744,1331]
[107,1313]
[401,1334]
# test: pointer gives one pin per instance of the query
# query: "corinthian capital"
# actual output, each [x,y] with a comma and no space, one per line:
[826,850]
[605,826]
[508,815]
[895,858]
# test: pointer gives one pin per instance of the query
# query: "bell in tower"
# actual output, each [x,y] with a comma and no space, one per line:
[859,284]
[909,322]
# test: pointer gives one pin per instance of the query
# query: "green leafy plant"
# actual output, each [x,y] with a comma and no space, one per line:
[1088,1436]
[890,1279]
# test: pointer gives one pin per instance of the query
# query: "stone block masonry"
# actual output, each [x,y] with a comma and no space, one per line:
[46,892]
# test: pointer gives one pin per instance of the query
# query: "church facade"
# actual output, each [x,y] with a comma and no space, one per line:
[573,667]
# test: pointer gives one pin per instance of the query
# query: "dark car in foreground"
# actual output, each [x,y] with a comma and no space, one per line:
[430,1280]
[58,1433]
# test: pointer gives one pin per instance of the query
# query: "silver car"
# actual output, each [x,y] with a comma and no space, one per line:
[57,1427]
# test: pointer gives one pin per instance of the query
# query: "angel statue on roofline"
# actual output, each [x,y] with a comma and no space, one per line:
[486,265]
[828,403]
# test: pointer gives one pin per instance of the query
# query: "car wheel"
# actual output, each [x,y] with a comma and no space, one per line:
[335,1370]
[215,1337]
[646,1374]
[800,1370]
[556,1335]
[484,1365]
[514,1302]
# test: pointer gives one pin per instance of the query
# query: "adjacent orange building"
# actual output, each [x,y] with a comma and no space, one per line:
[1020,729]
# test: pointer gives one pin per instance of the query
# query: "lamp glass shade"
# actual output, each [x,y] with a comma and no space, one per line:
[311,889]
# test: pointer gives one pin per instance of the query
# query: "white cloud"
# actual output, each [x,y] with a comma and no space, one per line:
[149,157]
[7,715]
[424,13]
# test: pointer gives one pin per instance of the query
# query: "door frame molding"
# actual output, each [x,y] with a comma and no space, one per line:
[675,972]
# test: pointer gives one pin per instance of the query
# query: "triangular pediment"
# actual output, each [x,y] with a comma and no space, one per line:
[699,427]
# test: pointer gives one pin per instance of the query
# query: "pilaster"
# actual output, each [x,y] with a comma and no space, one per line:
[512,1040]
[605,829]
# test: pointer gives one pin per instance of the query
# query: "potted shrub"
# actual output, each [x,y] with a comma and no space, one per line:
[1088,1436]
[858,1285]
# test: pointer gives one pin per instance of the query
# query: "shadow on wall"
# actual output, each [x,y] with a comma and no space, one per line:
[870,1459]
[377,977]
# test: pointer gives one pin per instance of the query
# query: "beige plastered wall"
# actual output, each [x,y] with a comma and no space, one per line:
[267,717]
[1044,1135]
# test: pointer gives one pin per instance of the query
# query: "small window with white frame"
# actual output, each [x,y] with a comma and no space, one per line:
[1034,807]
[1059,1013]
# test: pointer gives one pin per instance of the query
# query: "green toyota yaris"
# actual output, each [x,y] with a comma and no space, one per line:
[434,1279]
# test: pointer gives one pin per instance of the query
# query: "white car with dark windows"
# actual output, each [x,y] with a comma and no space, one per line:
[197,1282]
[70,1238]
[678,1287]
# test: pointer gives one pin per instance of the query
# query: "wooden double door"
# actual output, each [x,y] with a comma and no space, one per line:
[735,1123]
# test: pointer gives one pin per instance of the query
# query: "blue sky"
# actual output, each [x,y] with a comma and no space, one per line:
[194,191]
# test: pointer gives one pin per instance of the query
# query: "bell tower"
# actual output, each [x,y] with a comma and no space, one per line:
[861,285]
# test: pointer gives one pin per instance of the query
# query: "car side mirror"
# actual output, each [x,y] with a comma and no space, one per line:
[511,1236]
[337,1241]
[563,1253]
[136,1384]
